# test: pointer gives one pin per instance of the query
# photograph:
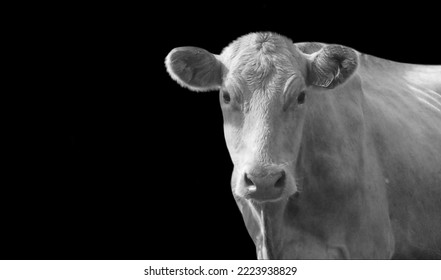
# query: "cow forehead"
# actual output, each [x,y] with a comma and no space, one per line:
[264,61]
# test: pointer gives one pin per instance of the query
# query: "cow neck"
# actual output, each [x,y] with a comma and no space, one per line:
[270,222]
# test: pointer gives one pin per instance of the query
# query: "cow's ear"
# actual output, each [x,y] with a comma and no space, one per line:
[194,68]
[332,66]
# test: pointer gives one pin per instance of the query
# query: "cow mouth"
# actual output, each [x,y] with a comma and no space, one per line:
[274,196]
[261,198]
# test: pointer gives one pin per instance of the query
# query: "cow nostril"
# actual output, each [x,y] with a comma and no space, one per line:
[248,181]
[281,181]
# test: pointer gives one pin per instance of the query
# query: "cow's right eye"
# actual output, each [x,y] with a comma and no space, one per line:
[226,97]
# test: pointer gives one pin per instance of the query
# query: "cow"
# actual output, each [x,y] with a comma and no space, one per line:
[336,153]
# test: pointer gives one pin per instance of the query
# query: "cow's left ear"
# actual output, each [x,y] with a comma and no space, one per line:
[332,66]
[194,68]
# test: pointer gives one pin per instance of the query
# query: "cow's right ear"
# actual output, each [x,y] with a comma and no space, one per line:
[194,68]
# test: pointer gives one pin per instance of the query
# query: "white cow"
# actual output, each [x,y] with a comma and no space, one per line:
[336,154]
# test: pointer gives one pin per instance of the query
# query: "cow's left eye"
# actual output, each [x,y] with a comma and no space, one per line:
[226,97]
[301,98]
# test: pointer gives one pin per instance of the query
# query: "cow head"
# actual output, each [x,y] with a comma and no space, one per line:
[264,80]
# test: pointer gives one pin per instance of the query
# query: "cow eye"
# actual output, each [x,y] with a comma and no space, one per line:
[226,97]
[301,98]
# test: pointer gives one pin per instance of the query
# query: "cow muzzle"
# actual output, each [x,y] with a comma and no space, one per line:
[263,184]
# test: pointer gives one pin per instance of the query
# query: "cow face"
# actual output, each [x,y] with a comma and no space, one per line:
[263,80]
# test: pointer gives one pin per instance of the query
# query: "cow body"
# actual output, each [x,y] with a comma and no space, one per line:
[354,172]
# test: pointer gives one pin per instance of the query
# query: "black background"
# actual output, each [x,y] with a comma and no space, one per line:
[111,159]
